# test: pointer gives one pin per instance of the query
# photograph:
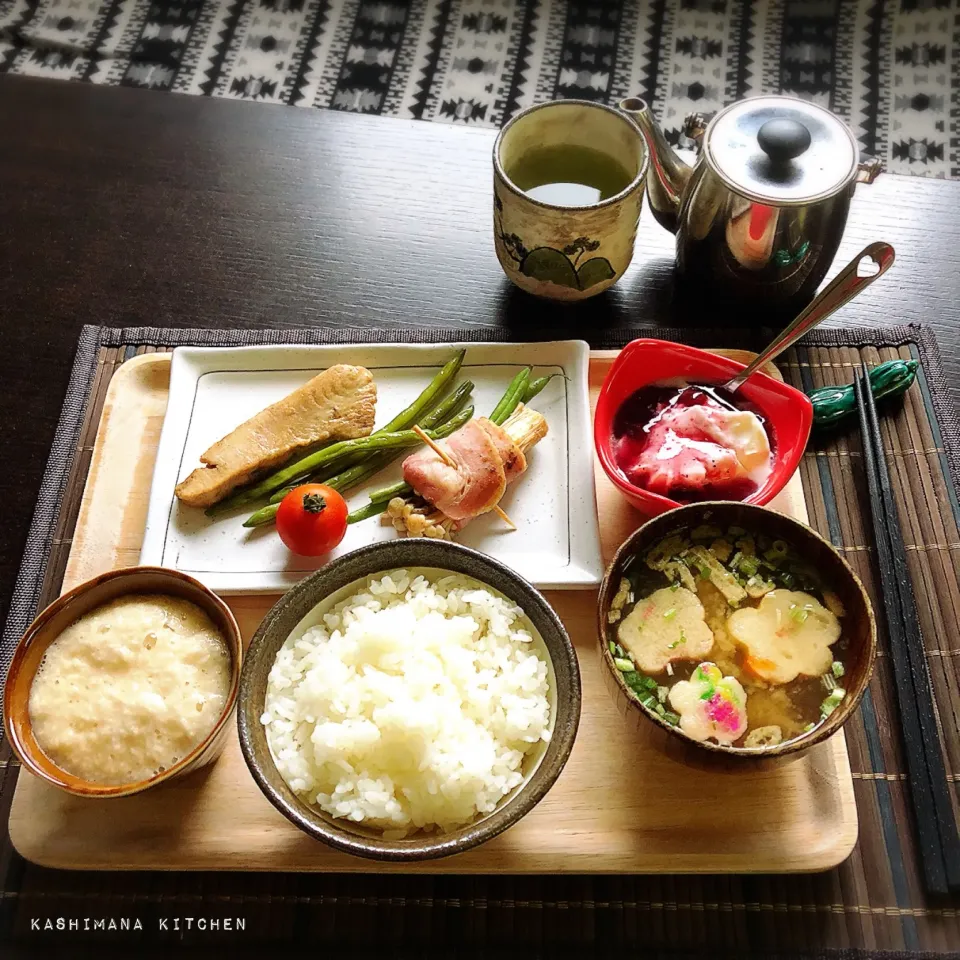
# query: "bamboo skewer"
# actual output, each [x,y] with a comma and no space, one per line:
[445,457]
[433,445]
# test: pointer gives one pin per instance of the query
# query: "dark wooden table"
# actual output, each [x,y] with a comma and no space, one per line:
[127,207]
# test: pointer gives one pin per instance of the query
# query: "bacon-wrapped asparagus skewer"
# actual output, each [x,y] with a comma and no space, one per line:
[482,459]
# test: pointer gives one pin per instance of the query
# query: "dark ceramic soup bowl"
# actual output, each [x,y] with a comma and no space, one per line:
[858,623]
[303,606]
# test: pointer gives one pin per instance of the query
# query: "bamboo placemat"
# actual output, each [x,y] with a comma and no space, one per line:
[873,902]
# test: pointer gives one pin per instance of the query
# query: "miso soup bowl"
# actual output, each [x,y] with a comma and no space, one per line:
[858,625]
[70,607]
[642,363]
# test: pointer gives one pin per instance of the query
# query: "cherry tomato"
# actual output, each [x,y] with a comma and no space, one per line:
[312,519]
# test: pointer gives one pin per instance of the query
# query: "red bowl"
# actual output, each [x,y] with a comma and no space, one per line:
[642,363]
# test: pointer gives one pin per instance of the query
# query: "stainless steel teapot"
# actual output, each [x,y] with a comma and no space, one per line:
[760,214]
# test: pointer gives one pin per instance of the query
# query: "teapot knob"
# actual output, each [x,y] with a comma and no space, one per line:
[782,139]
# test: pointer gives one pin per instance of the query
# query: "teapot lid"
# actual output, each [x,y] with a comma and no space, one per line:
[781,150]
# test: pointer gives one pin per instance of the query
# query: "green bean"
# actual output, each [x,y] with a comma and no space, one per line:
[435,389]
[264,515]
[385,494]
[341,482]
[332,454]
[418,412]
[280,494]
[367,511]
[535,386]
[506,406]
[449,407]
[326,473]
[436,417]
[358,473]
[511,398]
[303,468]
[362,471]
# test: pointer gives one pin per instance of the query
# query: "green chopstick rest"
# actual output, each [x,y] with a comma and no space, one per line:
[833,404]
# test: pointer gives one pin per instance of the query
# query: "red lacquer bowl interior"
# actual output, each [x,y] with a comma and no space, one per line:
[641,363]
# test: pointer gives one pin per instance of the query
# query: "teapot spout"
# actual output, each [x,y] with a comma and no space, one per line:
[667,174]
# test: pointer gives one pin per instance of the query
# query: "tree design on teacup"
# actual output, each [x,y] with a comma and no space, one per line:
[550,265]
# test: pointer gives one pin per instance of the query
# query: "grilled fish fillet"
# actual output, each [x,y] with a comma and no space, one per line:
[338,404]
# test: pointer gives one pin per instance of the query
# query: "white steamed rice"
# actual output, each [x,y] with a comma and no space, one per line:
[413,706]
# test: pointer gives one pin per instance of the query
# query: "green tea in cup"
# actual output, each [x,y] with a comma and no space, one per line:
[569,175]
[567,191]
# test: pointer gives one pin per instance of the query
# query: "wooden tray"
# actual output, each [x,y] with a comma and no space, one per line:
[620,806]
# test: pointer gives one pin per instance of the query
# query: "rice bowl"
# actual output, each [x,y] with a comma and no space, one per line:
[414,704]
[305,606]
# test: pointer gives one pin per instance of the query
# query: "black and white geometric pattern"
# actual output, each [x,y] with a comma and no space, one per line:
[889,68]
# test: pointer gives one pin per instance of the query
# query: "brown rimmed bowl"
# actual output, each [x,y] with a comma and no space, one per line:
[858,622]
[69,608]
[304,605]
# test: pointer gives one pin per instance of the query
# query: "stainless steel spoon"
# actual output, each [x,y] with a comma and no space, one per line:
[842,289]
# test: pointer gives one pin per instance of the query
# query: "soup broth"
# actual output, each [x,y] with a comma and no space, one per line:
[729,636]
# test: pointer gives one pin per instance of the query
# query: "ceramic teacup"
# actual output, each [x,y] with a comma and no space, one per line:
[567,252]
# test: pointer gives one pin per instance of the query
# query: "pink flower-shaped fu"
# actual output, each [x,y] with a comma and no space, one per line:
[710,705]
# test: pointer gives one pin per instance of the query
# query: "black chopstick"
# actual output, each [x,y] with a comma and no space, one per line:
[938,839]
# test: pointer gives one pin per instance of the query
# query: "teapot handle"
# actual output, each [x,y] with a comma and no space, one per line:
[868,169]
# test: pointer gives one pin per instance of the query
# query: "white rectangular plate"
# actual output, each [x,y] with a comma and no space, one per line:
[213,390]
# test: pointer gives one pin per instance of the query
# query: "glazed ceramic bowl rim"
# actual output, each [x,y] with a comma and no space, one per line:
[759,498]
[98,791]
[823,731]
[378,558]
[600,204]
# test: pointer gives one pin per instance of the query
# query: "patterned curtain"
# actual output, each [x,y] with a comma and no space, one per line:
[889,68]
